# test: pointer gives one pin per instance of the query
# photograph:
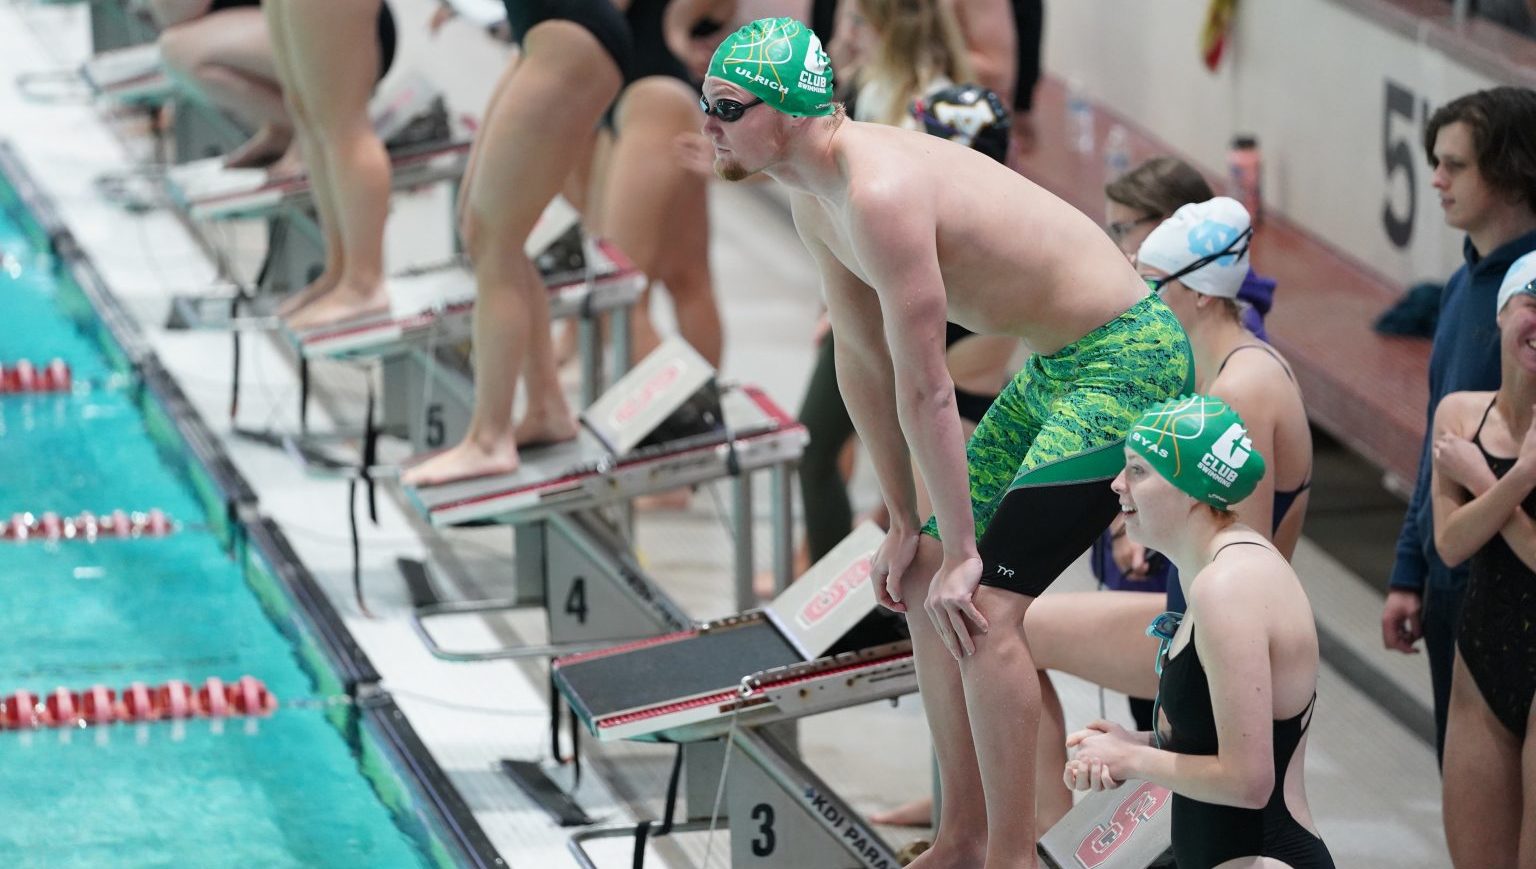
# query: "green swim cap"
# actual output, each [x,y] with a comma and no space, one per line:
[781,61]
[1201,446]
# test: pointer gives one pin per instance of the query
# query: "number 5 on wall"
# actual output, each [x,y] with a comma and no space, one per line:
[1399,142]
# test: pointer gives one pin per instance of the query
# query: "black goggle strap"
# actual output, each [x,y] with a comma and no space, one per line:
[1162,629]
[1235,248]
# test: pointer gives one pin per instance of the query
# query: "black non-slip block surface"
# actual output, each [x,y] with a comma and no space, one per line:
[655,675]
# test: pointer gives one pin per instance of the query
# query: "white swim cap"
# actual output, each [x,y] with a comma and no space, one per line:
[1521,278]
[1204,245]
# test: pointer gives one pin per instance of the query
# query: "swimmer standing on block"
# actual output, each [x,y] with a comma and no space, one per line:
[907,229]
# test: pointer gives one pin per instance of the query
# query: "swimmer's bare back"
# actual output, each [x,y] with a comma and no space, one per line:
[1014,258]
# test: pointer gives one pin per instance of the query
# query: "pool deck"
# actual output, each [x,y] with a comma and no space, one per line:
[1371,781]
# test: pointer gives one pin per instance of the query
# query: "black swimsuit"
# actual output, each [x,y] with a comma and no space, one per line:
[598,17]
[1208,834]
[1497,636]
[652,57]
[384,29]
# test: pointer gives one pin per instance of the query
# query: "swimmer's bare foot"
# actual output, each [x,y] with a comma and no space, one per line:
[467,459]
[290,165]
[673,501]
[264,148]
[549,425]
[918,813]
[939,856]
[324,284]
[763,586]
[348,301]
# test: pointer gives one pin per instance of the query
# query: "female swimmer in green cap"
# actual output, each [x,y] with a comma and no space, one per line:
[1238,676]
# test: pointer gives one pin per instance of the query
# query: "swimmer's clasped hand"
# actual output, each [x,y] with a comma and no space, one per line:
[1103,758]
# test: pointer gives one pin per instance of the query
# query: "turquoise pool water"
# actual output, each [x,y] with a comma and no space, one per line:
[301,788]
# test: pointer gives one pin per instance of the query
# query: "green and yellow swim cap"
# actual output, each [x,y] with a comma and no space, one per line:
[1200,445]
[781,61]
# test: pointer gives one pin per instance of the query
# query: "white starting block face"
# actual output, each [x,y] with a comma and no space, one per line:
[208,191]
[481,13]
[405,98]
[1129,827]
[582,474]
[834,595]
[129,75]
[437,306]
[687,687]
[645,397]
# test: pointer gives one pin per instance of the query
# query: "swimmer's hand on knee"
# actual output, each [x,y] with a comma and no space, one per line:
[889,566]
[951,603]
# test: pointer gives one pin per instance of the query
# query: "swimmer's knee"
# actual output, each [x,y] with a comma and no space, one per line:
[1002,606]
[658,102]
[179,52]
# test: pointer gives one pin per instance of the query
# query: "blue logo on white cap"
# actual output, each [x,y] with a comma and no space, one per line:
[1211,237]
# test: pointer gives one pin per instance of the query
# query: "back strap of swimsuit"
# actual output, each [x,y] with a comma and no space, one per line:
[1267,349]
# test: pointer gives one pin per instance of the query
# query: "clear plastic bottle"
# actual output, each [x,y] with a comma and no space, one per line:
[1080,120]
[1245,174]
[1117,152]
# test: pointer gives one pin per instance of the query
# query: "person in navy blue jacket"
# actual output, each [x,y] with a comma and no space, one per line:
[1482,148]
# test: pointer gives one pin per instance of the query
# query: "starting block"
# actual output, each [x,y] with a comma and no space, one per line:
[208,191]
[821,645]
[704,433]
[664,425]
[132,75]
[1130,827]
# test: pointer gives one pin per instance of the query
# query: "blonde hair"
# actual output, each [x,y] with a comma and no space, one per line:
[919,41]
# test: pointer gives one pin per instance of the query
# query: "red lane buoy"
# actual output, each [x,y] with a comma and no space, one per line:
[19,711]
[50,526]
[61,708]
[57,377]
[138,704]
[156,523]
[24,377]
[98,705]
[250,697]
[213,698]
[118,524]
[174,700]
[18,528]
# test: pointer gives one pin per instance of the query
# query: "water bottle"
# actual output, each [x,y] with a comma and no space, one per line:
[1117,153]
[1244,173]
[1080,120]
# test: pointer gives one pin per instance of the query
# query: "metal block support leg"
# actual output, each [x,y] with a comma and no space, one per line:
[783,525]
[741,520]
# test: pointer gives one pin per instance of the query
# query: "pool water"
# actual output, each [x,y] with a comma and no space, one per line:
[297,788]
